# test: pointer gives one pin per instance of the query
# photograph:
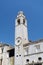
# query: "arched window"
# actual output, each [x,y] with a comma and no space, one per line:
[18,21]
[23,21]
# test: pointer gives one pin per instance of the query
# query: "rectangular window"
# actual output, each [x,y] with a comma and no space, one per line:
[0,61]
[35,64]
[26,50]
[38,64]
[37,48]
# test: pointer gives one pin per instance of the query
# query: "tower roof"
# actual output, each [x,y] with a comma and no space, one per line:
[20,13]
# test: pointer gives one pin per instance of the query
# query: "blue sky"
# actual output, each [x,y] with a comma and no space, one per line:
[33,10]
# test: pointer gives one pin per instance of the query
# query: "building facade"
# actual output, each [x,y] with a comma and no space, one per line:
[26,52]
[6,56]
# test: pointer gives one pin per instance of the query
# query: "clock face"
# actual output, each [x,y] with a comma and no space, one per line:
[18,41]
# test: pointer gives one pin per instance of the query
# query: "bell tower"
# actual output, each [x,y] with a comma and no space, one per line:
[21,27]
[21,37]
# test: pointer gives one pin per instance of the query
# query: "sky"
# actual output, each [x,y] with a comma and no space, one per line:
[33,10]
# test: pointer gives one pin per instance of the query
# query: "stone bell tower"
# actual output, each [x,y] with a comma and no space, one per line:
[21,27]
[21,37]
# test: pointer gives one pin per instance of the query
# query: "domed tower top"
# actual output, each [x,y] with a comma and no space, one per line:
[20,14]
